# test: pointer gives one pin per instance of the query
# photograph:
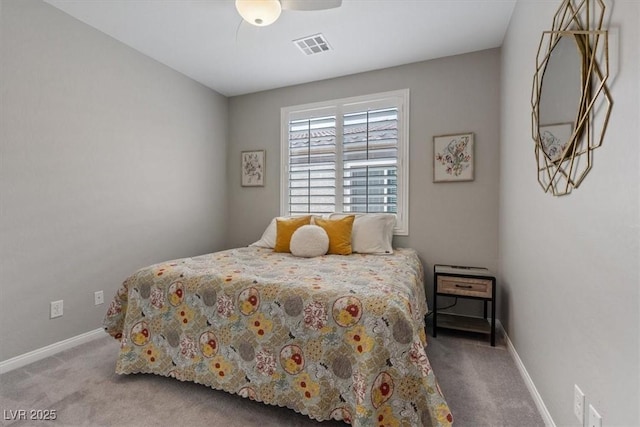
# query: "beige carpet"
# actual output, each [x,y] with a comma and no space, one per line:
[481,384]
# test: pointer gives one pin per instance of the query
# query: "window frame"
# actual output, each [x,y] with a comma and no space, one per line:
[339,107]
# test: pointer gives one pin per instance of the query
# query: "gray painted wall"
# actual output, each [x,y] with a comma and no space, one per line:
[449,222]
[109,161]
[570,265]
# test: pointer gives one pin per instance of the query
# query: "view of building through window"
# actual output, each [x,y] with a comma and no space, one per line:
[367,163]
[345,157]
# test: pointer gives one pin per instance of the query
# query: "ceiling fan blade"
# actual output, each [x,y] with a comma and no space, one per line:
[310,4]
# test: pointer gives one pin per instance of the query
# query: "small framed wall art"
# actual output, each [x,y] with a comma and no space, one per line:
[453,157]
[253,168]
[554,139]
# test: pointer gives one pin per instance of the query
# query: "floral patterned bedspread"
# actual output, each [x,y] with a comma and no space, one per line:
[332,337]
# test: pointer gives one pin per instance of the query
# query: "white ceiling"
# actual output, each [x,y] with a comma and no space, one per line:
[208,41]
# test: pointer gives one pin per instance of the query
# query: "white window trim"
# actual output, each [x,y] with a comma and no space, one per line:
[338,107]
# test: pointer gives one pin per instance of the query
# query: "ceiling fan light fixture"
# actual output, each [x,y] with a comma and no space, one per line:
[259,12]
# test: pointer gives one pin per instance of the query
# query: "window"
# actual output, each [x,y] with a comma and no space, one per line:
[347,155]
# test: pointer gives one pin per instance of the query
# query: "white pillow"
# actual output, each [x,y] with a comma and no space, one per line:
[372,233]
[268,239]
[309,241]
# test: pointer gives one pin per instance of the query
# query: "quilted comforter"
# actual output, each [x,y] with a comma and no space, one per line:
[332,337]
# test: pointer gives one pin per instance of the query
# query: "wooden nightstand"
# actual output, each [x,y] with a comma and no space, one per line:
[464,282]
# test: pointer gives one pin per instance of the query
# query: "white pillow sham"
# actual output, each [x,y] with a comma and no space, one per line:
[268,239]
[372,233]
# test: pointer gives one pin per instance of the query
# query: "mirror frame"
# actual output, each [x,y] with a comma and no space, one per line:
[574,18]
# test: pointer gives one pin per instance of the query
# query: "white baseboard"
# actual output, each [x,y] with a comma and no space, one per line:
[50,350]
[542,408]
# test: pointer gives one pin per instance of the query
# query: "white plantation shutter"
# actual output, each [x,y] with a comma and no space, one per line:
[312,165]
[370,157]
[347,155]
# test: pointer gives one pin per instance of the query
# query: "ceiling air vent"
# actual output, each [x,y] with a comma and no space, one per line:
[311,45]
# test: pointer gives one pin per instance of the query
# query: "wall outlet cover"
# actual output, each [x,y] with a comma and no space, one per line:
[98,297]
[595,420]
[56,309]
[578,403]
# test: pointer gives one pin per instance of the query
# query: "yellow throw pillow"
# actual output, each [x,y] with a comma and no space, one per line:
[285,229]
[339,231]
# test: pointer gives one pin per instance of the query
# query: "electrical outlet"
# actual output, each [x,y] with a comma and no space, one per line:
[595,420]
[578,403]
[98,297]
[56,309]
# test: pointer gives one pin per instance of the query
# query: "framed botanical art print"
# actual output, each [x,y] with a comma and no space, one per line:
[453,157]
[253,168]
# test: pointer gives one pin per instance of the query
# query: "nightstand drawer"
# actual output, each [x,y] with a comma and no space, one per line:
[473,287]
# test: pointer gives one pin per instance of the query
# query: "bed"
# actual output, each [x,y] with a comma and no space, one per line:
[332,337]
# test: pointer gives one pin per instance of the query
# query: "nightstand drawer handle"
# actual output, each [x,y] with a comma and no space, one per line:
[464,286]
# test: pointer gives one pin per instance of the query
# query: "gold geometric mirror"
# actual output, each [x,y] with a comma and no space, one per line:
[570,99]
